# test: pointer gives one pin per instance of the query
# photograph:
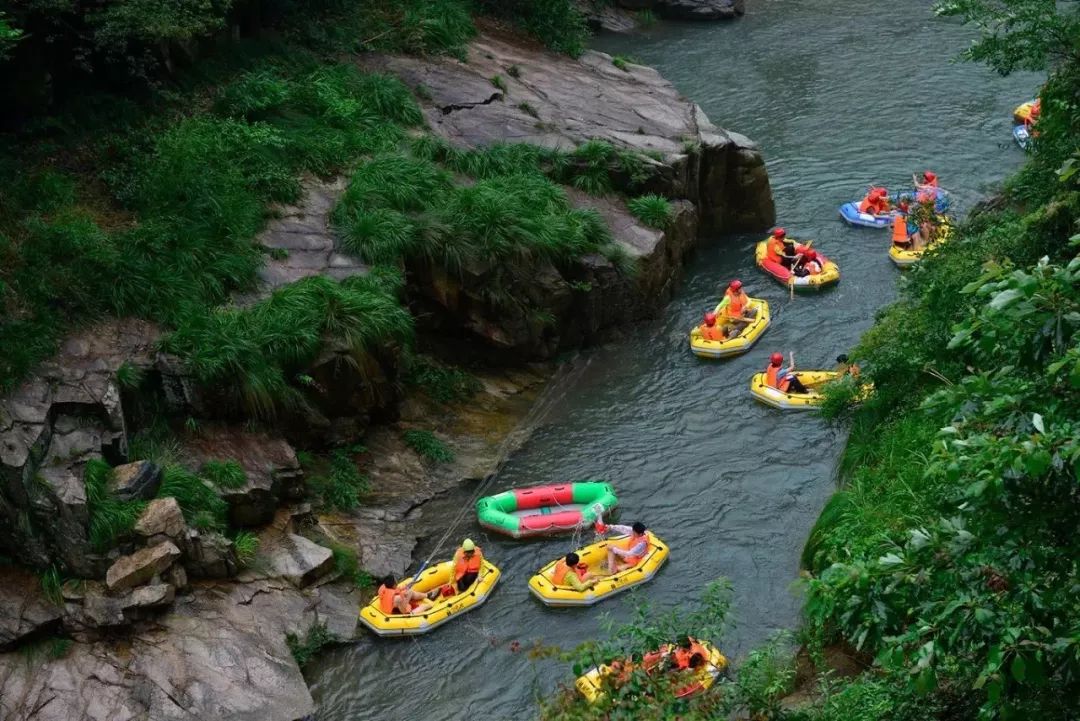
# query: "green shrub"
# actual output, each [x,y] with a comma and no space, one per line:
[499,83]
[341,486]
[347,565]
[129,376]
[315,640]
[110,518]
[224,474]
[622,62]
[51,584]
[428,446]
[199,502]
[652,210]
[439,382]
[246,544]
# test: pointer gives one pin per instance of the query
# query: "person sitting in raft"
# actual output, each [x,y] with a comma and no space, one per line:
[685,651]
[570,571]
[927,190]
[467,562]
[876,202]
[811,262]
[902,229]
[401,600]
[845,367]
[774,247]
[710,330]
[629,552]
[738,309]
[784,379]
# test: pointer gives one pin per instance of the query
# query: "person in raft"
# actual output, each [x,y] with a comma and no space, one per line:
[927,190]
[1033,116]
[570,571]
[628,552]
[738,309]
[685,651]
[467,561]
[876,202]
[845,367]
[774,247]
[811,262]
[902,228]
[783,379]
[711,330]
[401,600]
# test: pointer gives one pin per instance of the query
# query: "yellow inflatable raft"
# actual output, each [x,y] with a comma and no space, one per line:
[594,555]
[905,258]
[830,271]
[741,343]
[813,380]
[591,684]
[1023,112]
[445,608]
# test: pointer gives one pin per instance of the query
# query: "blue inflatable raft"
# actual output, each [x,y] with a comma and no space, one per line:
[850,213]
[1022,136]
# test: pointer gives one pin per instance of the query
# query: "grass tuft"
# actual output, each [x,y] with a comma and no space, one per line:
[428,446]
[224,474]
[315,640]
[652,210]
[110,519]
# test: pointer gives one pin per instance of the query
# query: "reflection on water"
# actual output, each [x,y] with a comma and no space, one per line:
[838,94]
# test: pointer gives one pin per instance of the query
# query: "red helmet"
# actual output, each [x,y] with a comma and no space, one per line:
[710,318]
[776,358]
[735,284]
[810,254]
[779,233]
[930,176]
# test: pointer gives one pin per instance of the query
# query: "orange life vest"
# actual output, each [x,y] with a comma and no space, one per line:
[388,599]
[737,303]
[463,565]
[899,230]
[629,543]
[711,332]
[683,656]
[771,379]
[774,249]
[561,569]
[873,205]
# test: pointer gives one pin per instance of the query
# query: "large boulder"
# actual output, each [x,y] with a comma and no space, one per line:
[296,559]
[162,520]
[138,568]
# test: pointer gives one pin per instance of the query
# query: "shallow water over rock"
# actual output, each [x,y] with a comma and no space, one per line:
[838,94]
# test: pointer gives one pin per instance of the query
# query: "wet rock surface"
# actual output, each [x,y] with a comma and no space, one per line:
[138,480]
[24,610]
[700,9]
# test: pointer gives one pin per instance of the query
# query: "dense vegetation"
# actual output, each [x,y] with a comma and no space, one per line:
[951,553]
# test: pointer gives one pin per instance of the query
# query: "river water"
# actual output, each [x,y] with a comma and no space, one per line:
[838,94]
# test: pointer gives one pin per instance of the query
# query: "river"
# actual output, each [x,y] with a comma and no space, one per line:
[838,94]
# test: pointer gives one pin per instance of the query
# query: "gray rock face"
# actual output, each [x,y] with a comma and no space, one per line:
[298,560]
[138,480]
[141,566]
[219,655]
[269,462]
[162,520]
[68,412]
[23,607]
[700,9]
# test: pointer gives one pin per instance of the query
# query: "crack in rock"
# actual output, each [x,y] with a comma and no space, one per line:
[447,109]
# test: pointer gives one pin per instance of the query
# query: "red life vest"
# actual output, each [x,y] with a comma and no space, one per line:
[737,303]
[774,249]
[899,230]
[772,381]
[711,332]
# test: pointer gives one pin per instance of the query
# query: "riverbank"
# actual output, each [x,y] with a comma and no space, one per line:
[209,496]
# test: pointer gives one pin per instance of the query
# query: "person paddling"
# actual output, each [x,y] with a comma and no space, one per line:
[738,308]
[783,379]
